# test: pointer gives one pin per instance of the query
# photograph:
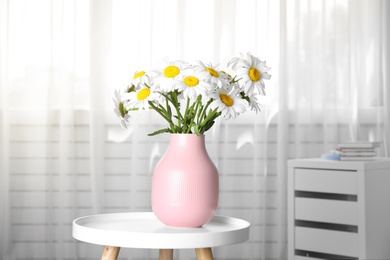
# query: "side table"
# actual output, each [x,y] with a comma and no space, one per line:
[144,230]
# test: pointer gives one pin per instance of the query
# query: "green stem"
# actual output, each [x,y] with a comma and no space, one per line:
[196,104]
[174,101]
[164,114]
[203,114]
[209,116]
[176,104]
[185,116]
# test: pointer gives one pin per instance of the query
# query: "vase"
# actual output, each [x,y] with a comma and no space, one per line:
[185,183]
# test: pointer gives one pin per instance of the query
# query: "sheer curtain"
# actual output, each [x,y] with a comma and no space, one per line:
[340,57]
[63,154]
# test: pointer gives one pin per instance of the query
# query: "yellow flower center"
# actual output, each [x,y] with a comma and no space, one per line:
[139,74]
[191,81]
[228,101]
[171,71]
[254,74]
[212,72]
[143,93]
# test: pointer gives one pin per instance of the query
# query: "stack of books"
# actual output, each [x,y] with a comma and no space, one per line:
[353,151]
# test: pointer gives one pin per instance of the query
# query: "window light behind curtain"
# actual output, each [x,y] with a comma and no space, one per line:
[63,154]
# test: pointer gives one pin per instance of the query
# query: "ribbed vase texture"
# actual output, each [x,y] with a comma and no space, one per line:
[185,184]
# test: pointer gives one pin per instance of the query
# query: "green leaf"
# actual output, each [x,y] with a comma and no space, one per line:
[208,125]
[190,116]
[169,110]
[161,131]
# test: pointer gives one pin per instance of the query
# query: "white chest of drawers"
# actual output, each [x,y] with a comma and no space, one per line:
[338,210]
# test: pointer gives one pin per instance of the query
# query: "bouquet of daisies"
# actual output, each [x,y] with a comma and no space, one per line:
[191,97]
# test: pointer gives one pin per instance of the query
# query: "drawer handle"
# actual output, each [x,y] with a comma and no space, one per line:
[318,255]
[328,226]
[323,195]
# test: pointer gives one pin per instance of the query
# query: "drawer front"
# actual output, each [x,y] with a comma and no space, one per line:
[328,181]
[326,241]
[329,211]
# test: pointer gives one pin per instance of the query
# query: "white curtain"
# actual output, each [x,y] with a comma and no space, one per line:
[63,154]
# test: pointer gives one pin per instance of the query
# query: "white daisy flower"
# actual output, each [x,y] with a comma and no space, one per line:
[252,71]
[238,61]
[210,72]
[226,79]
[192,85]
[141,97]
[120,110]
[228,102]
[254,104]
[169,74]
[141,78]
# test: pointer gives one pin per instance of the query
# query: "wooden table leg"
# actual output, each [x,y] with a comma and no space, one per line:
[110,253]
[166,254]
[204,253]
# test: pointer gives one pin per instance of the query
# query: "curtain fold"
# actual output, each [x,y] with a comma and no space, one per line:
[99,64]
[63,154]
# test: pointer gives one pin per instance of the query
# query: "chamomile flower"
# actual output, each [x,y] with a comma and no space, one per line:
[229,102]
[141,78]
[210,72]
[120,109]
[140,98]
[254,103]
[226,79]
[252,71]
[169,74]
[192,85]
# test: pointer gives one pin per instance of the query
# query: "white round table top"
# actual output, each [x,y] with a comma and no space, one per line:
[144,230]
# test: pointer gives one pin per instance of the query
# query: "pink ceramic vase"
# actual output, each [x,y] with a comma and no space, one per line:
[185,183]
